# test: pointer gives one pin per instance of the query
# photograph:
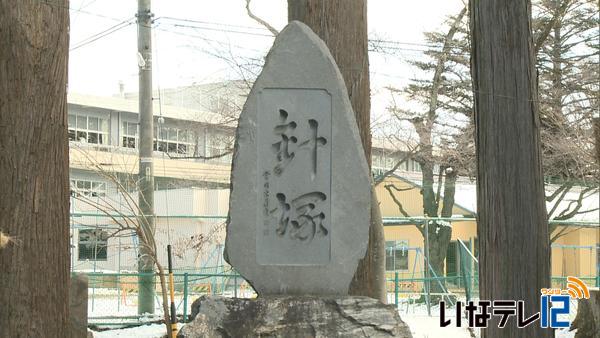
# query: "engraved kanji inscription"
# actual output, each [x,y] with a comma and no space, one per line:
[286,140]
[312,144]
[282,148]
[294,170]
[302,216]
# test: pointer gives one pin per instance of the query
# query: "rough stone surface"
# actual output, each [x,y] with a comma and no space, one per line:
[587,321]
[300,192]
[78,306]
[278,316]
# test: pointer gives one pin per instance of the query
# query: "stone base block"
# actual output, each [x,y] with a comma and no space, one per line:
[293,316]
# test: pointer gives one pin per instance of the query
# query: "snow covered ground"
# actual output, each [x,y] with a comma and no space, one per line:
[144,331]
[421,326]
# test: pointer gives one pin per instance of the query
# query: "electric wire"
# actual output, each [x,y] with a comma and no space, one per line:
[102,34]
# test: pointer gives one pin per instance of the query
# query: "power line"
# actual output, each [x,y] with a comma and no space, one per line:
[211,23]
[102,34]
[376,50]
[377,43]
[395,45]
[222,43]
[395,42]
[220,30]
[58,5]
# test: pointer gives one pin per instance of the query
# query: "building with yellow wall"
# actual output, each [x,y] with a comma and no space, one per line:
[574,252]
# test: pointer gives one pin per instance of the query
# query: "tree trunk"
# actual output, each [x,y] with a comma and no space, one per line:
[512,224]
[438,234]
[342,24]
[34,207]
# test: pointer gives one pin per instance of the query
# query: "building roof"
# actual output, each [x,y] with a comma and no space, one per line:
[131,106]
[466,198]
[387,144]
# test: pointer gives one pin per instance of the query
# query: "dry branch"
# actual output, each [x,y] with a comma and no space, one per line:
[259,20]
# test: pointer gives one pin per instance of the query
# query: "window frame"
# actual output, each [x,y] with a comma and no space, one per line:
[181,144]
[94,245]
[217,142]
[397,246]
[127,137]
[101,133]
[88,190]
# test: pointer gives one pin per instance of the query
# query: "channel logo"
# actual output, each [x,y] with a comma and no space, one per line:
[555,307]
[555,302]
[577,289]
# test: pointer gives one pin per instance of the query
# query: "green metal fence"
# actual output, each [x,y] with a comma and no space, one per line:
[112,297]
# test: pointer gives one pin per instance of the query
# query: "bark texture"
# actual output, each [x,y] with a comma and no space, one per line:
[512,226]
[34,207]
[438,233]
[342,24]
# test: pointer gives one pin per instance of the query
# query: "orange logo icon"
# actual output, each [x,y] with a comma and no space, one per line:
[576,288]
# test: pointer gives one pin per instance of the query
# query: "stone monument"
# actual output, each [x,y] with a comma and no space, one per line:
[299,205]
[300,193]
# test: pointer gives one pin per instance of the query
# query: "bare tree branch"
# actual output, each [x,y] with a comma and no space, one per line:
[389,188]
[223,154]
[259,20]
[382,177]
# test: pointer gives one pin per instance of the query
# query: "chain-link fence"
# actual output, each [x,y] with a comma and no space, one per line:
[113,297]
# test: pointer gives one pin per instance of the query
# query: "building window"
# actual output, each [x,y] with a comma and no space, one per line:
[88,129]
[396,255]
[376,161]
[389,162]
[377,172]
[88,188]
[129,130]
[93,245]
[416,166]
[174,141]
[219,143]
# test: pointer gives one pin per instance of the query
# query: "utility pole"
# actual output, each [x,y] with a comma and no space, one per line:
[146,290]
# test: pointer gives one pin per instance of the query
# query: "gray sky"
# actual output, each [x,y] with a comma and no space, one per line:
[189,33]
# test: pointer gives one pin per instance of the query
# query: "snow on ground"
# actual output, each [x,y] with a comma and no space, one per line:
[110,302]
[144,331]
[414,315]
[421,326]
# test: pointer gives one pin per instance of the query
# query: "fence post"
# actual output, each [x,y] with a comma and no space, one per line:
[427,266]
[185,296]
[396,288]
[235,286]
